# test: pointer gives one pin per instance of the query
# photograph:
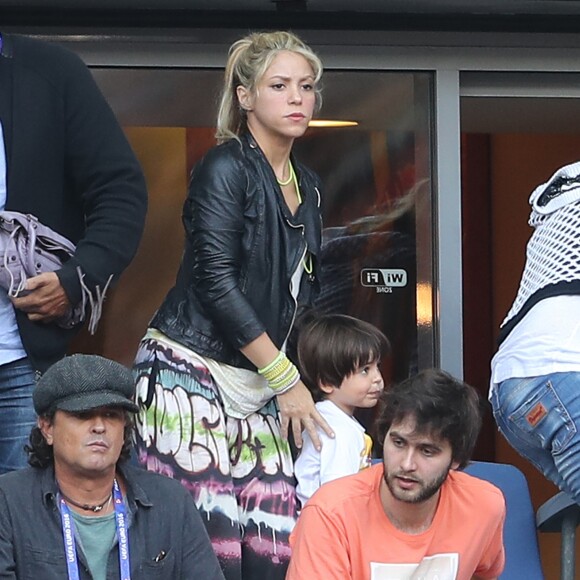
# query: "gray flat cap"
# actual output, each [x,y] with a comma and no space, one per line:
[82,382]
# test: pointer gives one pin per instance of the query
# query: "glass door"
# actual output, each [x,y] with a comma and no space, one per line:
[377,198]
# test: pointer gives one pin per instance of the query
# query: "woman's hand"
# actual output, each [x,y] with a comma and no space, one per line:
[297,408]
[298,411]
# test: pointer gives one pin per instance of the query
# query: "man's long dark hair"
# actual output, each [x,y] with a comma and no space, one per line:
[41,454]
[440,405]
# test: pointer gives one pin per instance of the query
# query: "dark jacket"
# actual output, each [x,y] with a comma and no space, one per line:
[242,247]
[161,514]
[69,164]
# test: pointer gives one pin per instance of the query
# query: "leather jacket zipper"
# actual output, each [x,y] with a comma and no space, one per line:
[301,227]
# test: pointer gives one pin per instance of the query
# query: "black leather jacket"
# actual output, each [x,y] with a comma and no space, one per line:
[242,247]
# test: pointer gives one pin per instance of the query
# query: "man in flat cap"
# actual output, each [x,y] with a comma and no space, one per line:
[80,511]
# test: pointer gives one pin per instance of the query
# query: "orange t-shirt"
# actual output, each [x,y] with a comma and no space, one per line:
[343,533]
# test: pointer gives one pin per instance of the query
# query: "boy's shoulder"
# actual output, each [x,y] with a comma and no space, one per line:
[334,415]
[329,409]
[325,406]
[341,494]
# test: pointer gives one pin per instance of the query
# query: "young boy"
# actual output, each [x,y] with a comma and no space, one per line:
[339,359]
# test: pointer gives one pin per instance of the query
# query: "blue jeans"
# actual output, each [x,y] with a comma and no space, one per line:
[17,416]
[539,417]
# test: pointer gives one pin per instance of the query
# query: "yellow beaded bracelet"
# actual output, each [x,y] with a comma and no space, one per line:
[279,357]
[281,373]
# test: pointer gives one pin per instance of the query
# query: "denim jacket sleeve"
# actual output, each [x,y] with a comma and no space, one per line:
[167,535]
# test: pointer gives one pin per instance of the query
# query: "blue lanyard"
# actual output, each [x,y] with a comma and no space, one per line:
[122,535]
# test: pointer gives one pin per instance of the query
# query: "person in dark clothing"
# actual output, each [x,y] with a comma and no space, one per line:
[80,510]
[216,390]
[65,160]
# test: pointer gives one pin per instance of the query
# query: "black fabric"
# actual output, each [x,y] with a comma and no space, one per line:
[70,165]
[242,247]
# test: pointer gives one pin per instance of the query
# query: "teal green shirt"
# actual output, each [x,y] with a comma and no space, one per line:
[98,532]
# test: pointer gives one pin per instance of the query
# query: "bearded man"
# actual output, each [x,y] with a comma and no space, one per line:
[416,515]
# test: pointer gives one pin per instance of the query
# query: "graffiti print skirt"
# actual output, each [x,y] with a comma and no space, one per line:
[239,471]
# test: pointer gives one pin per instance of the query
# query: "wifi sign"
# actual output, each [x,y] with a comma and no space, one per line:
[383,277]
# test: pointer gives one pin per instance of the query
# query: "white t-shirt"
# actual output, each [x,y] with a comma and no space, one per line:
[11,348]
[545,341]
[347,453]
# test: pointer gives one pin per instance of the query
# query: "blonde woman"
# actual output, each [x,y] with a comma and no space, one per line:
[216,391]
